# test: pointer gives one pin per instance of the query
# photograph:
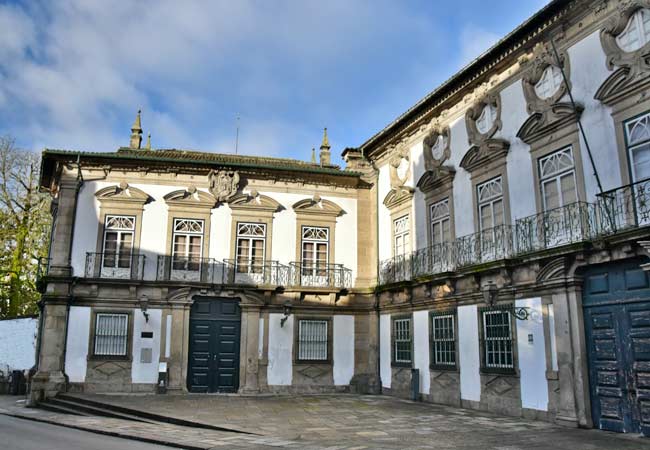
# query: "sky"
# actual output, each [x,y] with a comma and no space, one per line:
[73,73]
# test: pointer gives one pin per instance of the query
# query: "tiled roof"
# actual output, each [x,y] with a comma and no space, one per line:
[191,156]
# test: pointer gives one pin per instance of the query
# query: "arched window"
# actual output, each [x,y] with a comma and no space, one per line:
[486,119]
[549,83]
[637,32]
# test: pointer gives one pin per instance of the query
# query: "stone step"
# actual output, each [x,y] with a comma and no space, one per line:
[48,406]
[85,409]
[142,415]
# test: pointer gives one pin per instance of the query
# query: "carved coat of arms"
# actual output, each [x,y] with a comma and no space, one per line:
[223,184]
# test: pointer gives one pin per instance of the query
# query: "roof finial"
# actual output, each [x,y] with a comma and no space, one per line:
[313,155]
[325,159]
[136,132]
[326,142]
[148,145]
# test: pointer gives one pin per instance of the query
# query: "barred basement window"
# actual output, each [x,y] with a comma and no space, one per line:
[497,340]
[111,334]
[312,340]
[402,341]
[443,341]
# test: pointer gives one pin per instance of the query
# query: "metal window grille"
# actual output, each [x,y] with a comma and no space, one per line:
[497,339]
[312,340]
[443,338]
[111,334]
[402,340]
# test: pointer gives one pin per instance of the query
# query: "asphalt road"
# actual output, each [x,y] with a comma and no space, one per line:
[19,434]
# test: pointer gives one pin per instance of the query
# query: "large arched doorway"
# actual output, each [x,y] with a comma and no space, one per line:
[215,324]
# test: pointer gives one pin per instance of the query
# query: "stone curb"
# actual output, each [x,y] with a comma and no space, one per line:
[106,432]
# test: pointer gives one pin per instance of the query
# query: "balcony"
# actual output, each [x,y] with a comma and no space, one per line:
[194,270]
[121,266]
[320,275]
[258,272]
[620,209]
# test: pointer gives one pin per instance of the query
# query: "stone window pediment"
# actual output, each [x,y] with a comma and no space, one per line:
[190,198]
[254,201]
[317,206]
[625,39]
[123,195]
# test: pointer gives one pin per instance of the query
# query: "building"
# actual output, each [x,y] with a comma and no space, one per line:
[488,245]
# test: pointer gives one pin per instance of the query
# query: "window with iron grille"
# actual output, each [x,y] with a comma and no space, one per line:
[111,334]
[251,243]
[402,338]
[497,340]
[443,341]
[312,340]
[188,244]
[118,241]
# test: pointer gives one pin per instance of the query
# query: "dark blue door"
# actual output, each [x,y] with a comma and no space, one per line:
[214,345]
[617,324]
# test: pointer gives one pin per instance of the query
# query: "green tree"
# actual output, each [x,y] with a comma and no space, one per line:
[24,228]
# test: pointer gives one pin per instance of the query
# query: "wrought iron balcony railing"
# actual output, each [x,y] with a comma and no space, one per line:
[123,266]
[320,275]
[192,269]
[625,207]
[568,224]
[257,272]
[616,210]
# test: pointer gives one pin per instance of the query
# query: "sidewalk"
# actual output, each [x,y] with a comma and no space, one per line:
[163,434]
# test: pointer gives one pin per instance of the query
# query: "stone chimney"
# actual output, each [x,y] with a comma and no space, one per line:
[325,155]
[136,133]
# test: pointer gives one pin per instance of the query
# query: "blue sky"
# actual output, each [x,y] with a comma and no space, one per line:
[74,72]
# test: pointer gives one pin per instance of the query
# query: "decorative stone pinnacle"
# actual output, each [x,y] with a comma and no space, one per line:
[148,145]
[313,155]
[136,132]
[326,142]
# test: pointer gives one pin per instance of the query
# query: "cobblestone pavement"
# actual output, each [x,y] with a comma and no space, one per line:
[365,422]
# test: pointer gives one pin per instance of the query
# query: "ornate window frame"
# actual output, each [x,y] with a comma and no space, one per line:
[253,207]
[316,212]
[484,149]
[121,200]
[631,74]
[190,203]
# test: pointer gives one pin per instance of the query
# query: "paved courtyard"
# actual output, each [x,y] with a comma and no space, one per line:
[370,422]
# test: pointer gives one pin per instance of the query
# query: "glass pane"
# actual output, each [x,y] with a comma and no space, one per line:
[568,185]
[498,212]
[125,250]
[243,252]
[551,195]
[486,217]
[110,249]
[641,162]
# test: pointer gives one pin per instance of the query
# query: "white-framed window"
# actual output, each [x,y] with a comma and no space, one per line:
[549,83]
[490,203]
[118,241]
[111,334]
[315,250]
[486,119]
[636,33]
[558,179]
[402,236]
[402,337]
[312,340]
[187,244]
[251,247]
[497,340]
[440,222]
[443,340]
[637,136]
